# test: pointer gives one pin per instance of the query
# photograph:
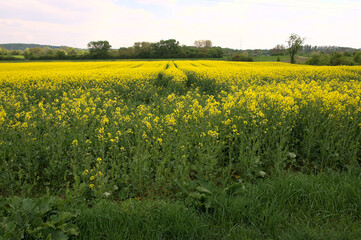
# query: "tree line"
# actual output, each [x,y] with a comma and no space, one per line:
[171,48]
[163,49]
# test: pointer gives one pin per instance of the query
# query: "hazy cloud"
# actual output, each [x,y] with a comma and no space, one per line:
[234,23]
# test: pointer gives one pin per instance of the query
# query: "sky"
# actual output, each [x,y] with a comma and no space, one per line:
[238,24]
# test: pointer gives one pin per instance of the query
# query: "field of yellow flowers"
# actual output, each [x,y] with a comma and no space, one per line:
[136,128]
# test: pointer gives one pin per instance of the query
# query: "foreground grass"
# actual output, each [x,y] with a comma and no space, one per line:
[289,206]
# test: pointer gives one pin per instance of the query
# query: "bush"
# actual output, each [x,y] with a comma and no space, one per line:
[319,59]
[339,59]
[242,58]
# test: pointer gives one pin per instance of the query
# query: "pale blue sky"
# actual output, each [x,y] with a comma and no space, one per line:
[241,24]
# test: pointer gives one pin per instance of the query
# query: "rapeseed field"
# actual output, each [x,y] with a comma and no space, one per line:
[136,128]
[179,150]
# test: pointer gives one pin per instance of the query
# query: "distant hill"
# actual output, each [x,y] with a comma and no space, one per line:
[23,46]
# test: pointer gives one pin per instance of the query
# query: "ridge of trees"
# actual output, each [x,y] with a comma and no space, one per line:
[171,48]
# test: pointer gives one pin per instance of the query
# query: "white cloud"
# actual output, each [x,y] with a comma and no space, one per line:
[237,24]
[159,2]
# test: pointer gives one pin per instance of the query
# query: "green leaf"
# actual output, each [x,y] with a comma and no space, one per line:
[44,205]
[235,189]
[28,205]
[203,190]
[58,235]
[197,195]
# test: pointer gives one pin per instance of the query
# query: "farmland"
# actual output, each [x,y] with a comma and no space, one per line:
[201,136]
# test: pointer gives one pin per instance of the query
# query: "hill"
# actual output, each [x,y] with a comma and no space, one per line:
[23,46]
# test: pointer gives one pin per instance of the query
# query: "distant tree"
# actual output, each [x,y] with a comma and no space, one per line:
[125,53]
[3,51]
[278,50]
[203,43]
[60,54]
[34,53]
[70,51]
[215,52]
[48,53]
[166,48]
[294,44]
[142,49]
[357,57]
[99,49]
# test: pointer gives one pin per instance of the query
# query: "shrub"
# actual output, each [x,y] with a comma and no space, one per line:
[319,59]
[242,58]
[339,59]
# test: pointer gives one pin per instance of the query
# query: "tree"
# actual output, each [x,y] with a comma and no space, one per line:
[142,49]
[294,44]
[278,50]
[99,49]
[203,43]
[165,48]
[60,54]
[215,52]
[357,57]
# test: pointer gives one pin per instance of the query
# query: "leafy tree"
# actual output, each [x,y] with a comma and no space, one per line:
[294,44]
[142,49]
[357,57]
[166,48]
[3,51]
[99,49]
[48,53]
[60,54]
[215,52]
[34,53]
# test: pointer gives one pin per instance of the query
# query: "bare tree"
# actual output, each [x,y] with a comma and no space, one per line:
[203,43]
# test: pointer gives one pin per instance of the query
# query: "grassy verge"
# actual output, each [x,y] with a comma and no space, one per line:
[287,206]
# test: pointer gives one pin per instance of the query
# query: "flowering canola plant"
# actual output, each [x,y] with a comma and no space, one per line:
[144,126]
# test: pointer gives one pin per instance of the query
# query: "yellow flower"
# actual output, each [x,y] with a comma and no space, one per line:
[99,160]
[91,186]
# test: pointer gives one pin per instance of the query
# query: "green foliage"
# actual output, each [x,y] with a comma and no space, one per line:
[99,49]
[294,44]
[41,218]
[335,59]
[357,57]
[215,52]
[287,206]
[339,59]
[319,59]
[243,57]
[165,48]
